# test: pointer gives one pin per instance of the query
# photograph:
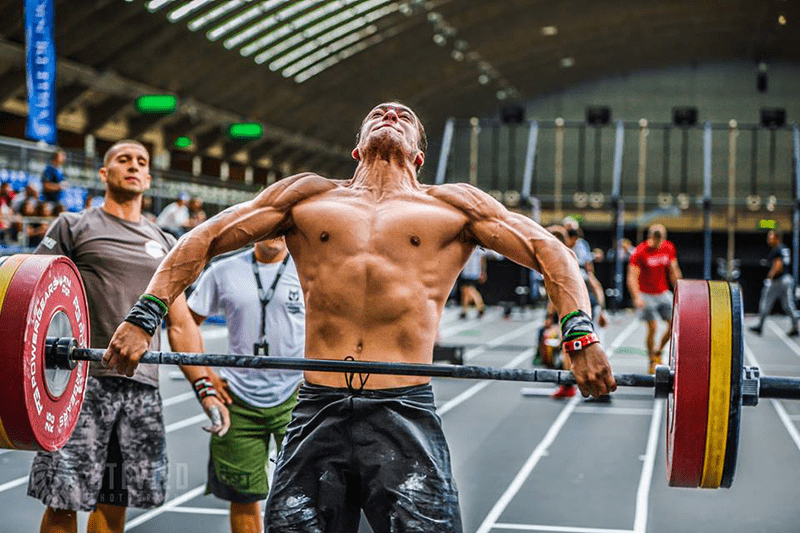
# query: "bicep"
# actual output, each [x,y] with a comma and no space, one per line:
[516,237]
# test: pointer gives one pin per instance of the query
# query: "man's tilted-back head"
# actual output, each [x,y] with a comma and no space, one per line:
[392,127]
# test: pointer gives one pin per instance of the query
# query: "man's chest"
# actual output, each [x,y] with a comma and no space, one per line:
[394,224]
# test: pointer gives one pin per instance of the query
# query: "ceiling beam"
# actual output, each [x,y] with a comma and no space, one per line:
[101,114]
[112,22]
[183,126]
[11,82]
[69,95]
[137,125]
[206,140]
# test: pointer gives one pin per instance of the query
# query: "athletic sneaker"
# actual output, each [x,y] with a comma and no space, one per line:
[483,310]
[563,392]
[605,398]
[462,315]
[792,332]
[755,329]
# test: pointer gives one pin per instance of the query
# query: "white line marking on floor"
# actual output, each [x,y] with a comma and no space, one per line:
[643,493]
[539,451]
[494,343]
[476,388]
[559,529]
[178,398]
[624,411]
[527,468]
[200,510]
[785,338]
[13,483]
[186,422]
[171,504]
[794,417]
[787,423]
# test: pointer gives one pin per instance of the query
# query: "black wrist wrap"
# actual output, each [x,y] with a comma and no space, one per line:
[576,324]
[203,388]
[146,314]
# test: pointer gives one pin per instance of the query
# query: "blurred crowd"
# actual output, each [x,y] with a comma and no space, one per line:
[28,206]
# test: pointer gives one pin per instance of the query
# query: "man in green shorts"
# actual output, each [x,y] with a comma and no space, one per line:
[259,293]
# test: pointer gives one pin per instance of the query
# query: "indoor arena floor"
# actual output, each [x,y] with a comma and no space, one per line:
[524,463]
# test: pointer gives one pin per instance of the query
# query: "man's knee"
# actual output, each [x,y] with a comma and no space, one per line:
[107,519]
[59,521]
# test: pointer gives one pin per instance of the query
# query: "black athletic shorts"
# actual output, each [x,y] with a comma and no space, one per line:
[380,451]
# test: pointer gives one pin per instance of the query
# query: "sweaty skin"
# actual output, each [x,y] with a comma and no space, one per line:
[376,255]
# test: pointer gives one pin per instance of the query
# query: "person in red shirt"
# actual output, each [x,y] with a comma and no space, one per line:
[652,270]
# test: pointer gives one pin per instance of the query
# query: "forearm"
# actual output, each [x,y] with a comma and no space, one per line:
[562,278]
[633,283]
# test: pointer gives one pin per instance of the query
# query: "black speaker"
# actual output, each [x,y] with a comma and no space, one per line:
[773,117]
[512,114]
[598,115]
[684,116]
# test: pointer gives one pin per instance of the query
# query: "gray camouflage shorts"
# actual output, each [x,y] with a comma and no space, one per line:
[116,455]
[656,305]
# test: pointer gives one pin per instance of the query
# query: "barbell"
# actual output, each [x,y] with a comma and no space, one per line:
[44,328]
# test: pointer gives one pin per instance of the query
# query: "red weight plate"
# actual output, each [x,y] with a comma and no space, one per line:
[44,298]
[687,406]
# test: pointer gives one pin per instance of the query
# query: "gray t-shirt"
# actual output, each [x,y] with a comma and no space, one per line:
[116,259]
[229,286]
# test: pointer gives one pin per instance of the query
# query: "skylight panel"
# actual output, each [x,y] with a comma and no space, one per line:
[341,56]
[317,29]
[242,18]
[214,14]
[185,9]
[155,5]
[328,50]
[328,37]
[268,22]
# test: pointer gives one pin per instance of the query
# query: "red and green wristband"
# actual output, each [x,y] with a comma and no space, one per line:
[580,343]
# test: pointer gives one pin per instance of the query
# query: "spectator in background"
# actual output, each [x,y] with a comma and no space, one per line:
[777,285]
[6,214]
[52,178]
[173,217]
[652,269]
[31,195]
[7,194]
[259,293]
[196,214]
[473,273]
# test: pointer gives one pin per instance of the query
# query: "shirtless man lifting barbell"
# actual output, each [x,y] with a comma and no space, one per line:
[377,256]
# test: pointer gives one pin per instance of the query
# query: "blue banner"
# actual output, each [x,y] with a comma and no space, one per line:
[41,54]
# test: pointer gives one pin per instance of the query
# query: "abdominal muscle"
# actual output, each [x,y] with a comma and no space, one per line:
[397,322]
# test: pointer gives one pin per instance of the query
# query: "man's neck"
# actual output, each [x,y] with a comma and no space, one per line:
[385,175]
[129,209]
[267,258]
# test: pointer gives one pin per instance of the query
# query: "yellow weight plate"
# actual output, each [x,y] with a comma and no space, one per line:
[719,384]
[7,271]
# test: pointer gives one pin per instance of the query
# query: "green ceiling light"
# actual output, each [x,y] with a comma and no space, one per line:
[245,131]
[156,104]
[766,223]
[183,142]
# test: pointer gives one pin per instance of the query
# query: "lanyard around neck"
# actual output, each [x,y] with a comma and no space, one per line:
[265,297]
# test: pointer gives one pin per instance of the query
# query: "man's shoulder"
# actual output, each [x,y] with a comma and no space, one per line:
[293,189]
[465,197]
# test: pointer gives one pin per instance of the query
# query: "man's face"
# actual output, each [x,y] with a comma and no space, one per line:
[388,124]
[127,170]
[772,239]
[59,159]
